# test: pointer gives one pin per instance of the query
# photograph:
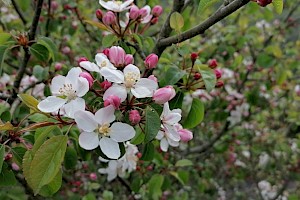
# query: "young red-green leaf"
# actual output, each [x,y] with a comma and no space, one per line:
[278,6]
[30,101]
[47,162]
[195,115]
[176,21]
[152,125]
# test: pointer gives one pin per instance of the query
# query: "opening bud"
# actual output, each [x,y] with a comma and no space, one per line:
[185,135]
[117,56]
[88,77]
[109,18]
[113,100]
[157,11]
[151,61]
[99,14]
[105,84]
[163,95]
[134,117]
[134,13]
[128,59]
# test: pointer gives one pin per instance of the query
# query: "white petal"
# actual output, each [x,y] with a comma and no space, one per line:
[160,135]
[171,132]
[117,90]
[126,4]
[121,132]
[85,120]
[73,106]
[57,83]
[51,104]
[172,118]
[82,87]
[115,76]
[72,77]
[131,69]
[88,140]
[164,145]
[105,115]
[110,148]
[173,143]
[102,61]
[89,66]
[166,110]
[144,88]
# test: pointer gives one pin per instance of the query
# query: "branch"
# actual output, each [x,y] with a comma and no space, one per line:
[24,21]
[48,19]
[26,58]
[220,14]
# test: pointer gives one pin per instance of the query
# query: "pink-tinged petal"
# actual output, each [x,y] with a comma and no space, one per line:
[51,104]
[172,142]
[166,110]
[73,106]
[131,69]
[57,83]
[85,120]
[88,140]
[172,133]
[102,61]
[126,4]
[160,135]
[121,132]
[172,118]
[116,90]
[147,19]
[89,66]
[105,115]
[82,87]
[110,148]
[115,76]
[164,145]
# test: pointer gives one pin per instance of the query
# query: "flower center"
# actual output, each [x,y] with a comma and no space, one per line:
[118,3]
[104,130]
[68,92]
[131,78]
[103,63]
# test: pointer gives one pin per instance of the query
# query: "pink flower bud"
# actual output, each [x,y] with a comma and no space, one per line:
[151,61]
[157,10]
[54,5]
[128,59]
[194,56]
[93,176]
[153,78]
[117,55]
[134,13]
[66,50]
[218,73]
[15,167]
[82,59]
[163,95]
[264,3]
[154,20]
[143,12]
[197,76]
[106,52]
[219,84]
[58,66]
[88,77]
[113,100]
[105,84]
[185,135]
[134,117]
[99,14]
[109,18]
[212,63]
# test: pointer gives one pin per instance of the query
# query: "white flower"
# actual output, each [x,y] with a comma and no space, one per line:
[119,167]
[116,6]
[169,134]
[67,92]
[130,80]
[98,132]
[104,67]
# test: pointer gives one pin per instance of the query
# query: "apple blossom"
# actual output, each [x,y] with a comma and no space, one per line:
[88,77]
[185,135]
[113,100]
[131,80]
[97,131]
[151,61]
[157,10]
[109,18]
[128,59]
[134,12]
[134,117]
[163,95]
[66,93]
[116,6]
[153,78]
[105,84]
[145,14]
[117,55]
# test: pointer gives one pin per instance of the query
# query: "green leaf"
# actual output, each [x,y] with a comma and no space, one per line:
[97,24]
[154,185]
[24,4]
[195,115]
[51,188]
[27,159]
[138,138]
[90,196]
[7,177]
[208,75]
[278,6]
[3,51]
[204,4]
[152,125]
[47,162]
[4,37]
[2,151]
[6,127]
[109,40]
[183,163]
[41,137]
[70,160]
[176,21]
[49,44]
[18,154]
[148,152]
[30,101]
[176,102]
[171,76]
[40,52]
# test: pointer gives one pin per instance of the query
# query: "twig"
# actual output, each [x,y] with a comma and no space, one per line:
[26,58]
[24,21]
[48,19]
